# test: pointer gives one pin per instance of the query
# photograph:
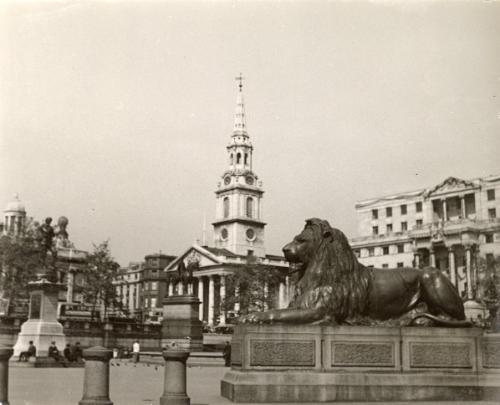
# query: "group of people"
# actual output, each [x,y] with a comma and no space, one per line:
[70,353]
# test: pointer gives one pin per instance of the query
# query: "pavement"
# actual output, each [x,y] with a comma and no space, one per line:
[141,384]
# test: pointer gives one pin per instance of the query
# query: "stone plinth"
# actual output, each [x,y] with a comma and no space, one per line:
[174,387]
[181,324]
[42,326]
[300,363]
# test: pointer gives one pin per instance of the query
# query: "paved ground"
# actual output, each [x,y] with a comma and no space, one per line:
[140,385]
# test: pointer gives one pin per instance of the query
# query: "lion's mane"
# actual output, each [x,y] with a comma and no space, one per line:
[333,278]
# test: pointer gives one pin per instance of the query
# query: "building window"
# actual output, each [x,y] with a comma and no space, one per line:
[246,158]
[489,238]
[371,251]
[420,222]
[385,266]
[226,207]
[491,194]
[418,206]
[403,209]
[404,226]
[388,212]
[389,228]
[374,214]
[492,213]
[400,264]
[249,252]
[249,207]
[401,248]
[385,250]
[153,302]
[375,230]
[231,159]
[238,158]
[154,285]
[224,233]
[356,253]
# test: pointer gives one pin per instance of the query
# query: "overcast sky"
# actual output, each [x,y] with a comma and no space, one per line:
[117,114]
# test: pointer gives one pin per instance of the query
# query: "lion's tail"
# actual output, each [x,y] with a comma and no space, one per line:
[453,323]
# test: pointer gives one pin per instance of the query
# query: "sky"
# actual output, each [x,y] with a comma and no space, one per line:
[117,114]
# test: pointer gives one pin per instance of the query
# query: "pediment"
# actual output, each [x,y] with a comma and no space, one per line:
[451,185]
[196,257]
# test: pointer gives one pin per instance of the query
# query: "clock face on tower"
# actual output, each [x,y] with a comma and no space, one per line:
[227,180]
[224,233]
[250,234]
[249,180]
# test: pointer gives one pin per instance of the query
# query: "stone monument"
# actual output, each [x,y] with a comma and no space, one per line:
[42,326]
[181,325]
[348,335]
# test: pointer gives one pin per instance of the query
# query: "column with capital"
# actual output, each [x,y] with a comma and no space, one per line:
[200,297]
[281,295]
[222,304]
[211,296]
[237,300]
[462,206]
[266,294]
[468,270]
[416,257]
[451,265]
[180,288]
[445,210]
[170,289]
[432,257]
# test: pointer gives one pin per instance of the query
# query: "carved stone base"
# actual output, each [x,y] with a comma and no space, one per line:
[181,325]
[320,364]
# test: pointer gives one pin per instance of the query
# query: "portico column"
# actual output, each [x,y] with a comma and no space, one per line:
[468,270]
[170,289]
[180,288]
[432,257]
[266,294]
[451,265]
[70,284]
[200,297]
[416,257]
[445,210]
[211,293]
[190,288]
[237,298]
[222,295]
[462,206]
[281,295]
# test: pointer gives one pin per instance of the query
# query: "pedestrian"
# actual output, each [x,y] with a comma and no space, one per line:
[77,352]
[31,352]
[67,352]
[226,353]
[54,352]
[136,349]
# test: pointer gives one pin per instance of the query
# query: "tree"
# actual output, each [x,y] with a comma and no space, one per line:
[21,259]
[250,281]
[100,273]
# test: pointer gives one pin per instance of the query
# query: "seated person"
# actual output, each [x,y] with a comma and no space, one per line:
[68,355]
[77,352]
[31,352]
[54,352]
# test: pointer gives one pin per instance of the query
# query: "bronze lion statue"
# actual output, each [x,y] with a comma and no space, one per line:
[333,287]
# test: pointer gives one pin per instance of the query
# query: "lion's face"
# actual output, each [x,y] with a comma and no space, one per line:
[300,250]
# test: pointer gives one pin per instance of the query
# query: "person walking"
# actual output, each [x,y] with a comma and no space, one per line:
[136,349]
[226,353]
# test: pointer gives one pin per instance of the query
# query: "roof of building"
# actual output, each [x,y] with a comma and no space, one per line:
[219,251]
[15,205]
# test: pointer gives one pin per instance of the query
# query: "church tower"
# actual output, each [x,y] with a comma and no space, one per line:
[238,224]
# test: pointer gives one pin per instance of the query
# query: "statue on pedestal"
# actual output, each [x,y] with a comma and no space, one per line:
[334,288]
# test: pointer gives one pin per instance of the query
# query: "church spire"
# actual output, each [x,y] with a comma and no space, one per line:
[240,125]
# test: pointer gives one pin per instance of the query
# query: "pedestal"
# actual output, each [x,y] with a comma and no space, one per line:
[302,363]
[181,325]
[42,326]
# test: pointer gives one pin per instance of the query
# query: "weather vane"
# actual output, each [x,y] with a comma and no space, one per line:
[240,79]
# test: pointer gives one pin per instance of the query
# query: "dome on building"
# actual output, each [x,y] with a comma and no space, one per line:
[15,205]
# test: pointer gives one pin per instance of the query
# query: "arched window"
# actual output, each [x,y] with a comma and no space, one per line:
[249,207]
[226,207]
[238,158]
[246,158]
[231,159]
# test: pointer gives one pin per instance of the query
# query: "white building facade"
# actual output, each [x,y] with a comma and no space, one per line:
[449,226]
